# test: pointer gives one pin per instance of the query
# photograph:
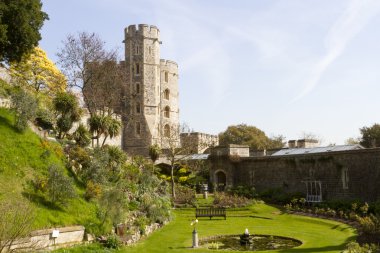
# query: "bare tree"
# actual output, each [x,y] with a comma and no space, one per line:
[174,151]
[89,66]
[16,221]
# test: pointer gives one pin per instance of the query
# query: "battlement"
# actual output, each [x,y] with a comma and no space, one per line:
[149,31]
[168,63]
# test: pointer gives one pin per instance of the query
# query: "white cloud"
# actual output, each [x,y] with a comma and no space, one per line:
[349,24]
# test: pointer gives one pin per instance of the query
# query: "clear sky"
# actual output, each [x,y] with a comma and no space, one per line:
[284,66]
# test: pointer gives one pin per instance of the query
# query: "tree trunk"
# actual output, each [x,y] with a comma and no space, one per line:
[172,179]
[104,141]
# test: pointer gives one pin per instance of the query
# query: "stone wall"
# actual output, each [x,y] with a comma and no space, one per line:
[351,174]
[42,239]
[198,143]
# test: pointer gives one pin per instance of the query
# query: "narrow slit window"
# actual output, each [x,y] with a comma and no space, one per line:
[138,128]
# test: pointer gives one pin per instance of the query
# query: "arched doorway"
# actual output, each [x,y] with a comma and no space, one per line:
[221,180]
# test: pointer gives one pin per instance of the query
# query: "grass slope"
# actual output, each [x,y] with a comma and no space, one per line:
[24,156]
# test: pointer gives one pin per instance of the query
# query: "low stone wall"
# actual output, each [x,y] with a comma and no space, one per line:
[42,239]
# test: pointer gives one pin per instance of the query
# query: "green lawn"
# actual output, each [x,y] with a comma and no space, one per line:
[317,235]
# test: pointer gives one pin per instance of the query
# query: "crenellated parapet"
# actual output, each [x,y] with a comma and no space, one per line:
[148,31]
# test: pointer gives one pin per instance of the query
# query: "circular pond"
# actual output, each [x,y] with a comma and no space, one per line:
[257,243]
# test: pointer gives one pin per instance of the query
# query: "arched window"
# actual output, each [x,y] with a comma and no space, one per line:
[167,94]
[138,107]
[167,112]
[167,131]
[166,76]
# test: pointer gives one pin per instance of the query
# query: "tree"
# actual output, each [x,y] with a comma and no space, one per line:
[82,136]
[174,152]
[352,141]
[92,69]
[154,152]
[249,135]
[67,108]
[20,22]
[60,187]
[37,73]
[25,108]
[370,136]
[105,125]
[111,129]
[16,222]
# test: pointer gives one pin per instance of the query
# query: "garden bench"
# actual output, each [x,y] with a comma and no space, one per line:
[210,212]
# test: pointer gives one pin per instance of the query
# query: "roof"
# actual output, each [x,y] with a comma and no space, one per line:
[300,151]
[196,157]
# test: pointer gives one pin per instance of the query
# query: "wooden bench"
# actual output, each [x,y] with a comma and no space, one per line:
[210,212]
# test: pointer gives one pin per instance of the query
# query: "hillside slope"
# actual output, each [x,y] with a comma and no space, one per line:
[24,156]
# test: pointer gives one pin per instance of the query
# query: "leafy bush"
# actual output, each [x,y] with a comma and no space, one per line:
[113,242]
[370,224]
[185,195]
[93,191]
[45,119]
[354,247]
[25,107]
[279,196]
[227,200]
[59,187]
[243,191]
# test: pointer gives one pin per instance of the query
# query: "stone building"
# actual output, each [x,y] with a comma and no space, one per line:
[198,143]
[151,113]
[320,173]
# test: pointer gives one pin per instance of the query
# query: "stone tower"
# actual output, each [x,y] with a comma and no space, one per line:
[150,93]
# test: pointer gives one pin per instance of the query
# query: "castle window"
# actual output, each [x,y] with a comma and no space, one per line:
[166,76]
[138,107]
[137,88]
[167,112]
[137,69]
[167,131]
[166,94]
[345,178]
[137,49]
[138,128]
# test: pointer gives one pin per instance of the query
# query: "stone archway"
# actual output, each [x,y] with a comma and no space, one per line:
[220,180]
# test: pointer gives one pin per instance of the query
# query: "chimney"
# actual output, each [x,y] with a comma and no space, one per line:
[292,143]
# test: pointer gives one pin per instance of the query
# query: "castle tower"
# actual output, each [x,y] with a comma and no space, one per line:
[150,92]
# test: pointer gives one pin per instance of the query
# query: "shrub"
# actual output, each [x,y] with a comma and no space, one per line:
[279,196]
[25,107]
[370,224]
[113,242]
[93,190]
[354,247]
[59,187]
[185,195]
[45,119]
[243,191]
[227,200]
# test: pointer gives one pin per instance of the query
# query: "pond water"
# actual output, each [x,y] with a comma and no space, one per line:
[259,242]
